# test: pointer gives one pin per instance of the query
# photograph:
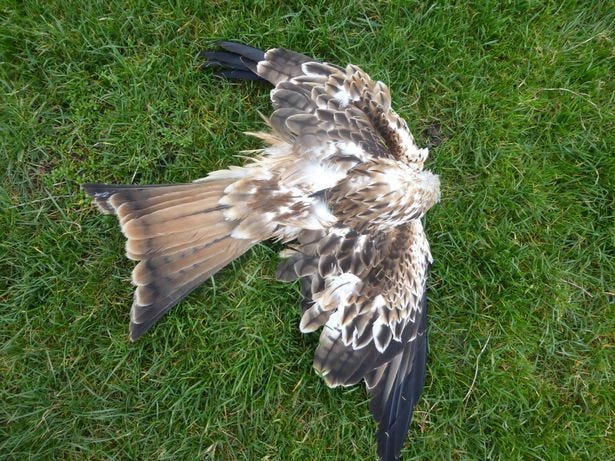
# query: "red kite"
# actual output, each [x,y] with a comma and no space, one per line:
[340,180]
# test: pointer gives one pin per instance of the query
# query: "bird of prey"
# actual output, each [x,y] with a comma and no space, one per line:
[341,181]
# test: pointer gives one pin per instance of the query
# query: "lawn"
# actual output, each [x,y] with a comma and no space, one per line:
[516,100]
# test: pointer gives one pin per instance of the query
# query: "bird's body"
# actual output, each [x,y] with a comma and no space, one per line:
[342,181]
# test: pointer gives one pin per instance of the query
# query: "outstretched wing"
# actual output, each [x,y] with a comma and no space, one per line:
[321,104]
[368,292]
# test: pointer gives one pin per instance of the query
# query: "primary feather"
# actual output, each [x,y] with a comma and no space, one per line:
[342,181]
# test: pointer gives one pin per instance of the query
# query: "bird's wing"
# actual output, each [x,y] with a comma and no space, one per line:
[368,292]
[320,104]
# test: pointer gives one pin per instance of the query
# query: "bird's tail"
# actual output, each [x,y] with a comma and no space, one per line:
[179,235]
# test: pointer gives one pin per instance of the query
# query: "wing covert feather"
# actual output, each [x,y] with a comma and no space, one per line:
[368,292]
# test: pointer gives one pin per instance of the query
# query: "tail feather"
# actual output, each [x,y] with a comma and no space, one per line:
[179,235]
[172,219]
[166,268]
[127,211]
[163,292]
[139,249]
[144,317]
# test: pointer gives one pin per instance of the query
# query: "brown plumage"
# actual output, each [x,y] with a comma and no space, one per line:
[342,181]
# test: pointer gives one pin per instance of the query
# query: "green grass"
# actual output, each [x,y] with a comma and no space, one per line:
[522,318]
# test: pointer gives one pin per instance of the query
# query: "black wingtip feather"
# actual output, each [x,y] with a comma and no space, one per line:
[395,414]
[392,434]
[245,51]
[237,62]
[222,59]
[239,75]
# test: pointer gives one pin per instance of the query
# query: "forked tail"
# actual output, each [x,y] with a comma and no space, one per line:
[179,235]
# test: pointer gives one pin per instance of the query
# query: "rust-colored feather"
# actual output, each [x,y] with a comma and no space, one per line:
[180,236]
